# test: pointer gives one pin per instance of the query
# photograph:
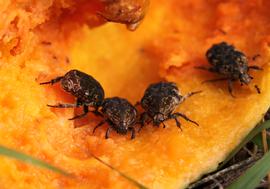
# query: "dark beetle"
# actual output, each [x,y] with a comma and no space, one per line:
[120,115]
[159,102]
[230,63]
[84,87]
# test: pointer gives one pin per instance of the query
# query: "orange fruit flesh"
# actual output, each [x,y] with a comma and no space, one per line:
[170,42]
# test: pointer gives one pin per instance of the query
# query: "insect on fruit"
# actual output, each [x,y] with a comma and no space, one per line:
[230,63]
[159,102]
[85,88]
[120,115]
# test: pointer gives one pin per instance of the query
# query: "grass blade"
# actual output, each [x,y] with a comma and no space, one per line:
[258,141]
[36,162]
[136,183]
[30,160]
[248,138]
[253,175]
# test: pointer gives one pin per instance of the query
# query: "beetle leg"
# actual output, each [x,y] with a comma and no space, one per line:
[64,105]
[178,124]
[257,89]
[132,132]
[164,126]
[53,81]
[183,116]
[108,133]
[210,69]
[85,111]
[143,118]
[189,95]
[230,87]
[255,57]
[174,116]
[255,68]
[214,80]
[59,105]
[96,112]
[98,125]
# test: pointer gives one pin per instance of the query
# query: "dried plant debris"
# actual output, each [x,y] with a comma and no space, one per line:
[246,157]
[224,177]
[129,12]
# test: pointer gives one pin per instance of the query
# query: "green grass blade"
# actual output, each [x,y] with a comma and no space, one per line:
[30,160]
[248,138]
[253,175]
[136,183]
[36,162]
[258,140]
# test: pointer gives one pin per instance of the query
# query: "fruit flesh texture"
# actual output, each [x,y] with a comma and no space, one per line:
[168,44]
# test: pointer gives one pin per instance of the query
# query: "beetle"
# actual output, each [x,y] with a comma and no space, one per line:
[120,114]
[160,101]
[87,90]
[230,63]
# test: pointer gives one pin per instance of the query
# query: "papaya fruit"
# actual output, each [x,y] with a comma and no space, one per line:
[42,40]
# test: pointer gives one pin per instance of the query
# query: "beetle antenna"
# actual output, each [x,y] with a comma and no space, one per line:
[53,81]
[190,94]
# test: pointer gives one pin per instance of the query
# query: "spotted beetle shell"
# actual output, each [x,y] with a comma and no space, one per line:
[161,98]
[227,61]
[120,113]
[84,87]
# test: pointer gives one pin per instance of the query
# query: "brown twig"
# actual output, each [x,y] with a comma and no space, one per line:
[264,141]
[264,184]
[249,152]
[234,167]
[217,183]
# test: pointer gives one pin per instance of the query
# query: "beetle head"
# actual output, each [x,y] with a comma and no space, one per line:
[122,128]
[245,78]
[158,118]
